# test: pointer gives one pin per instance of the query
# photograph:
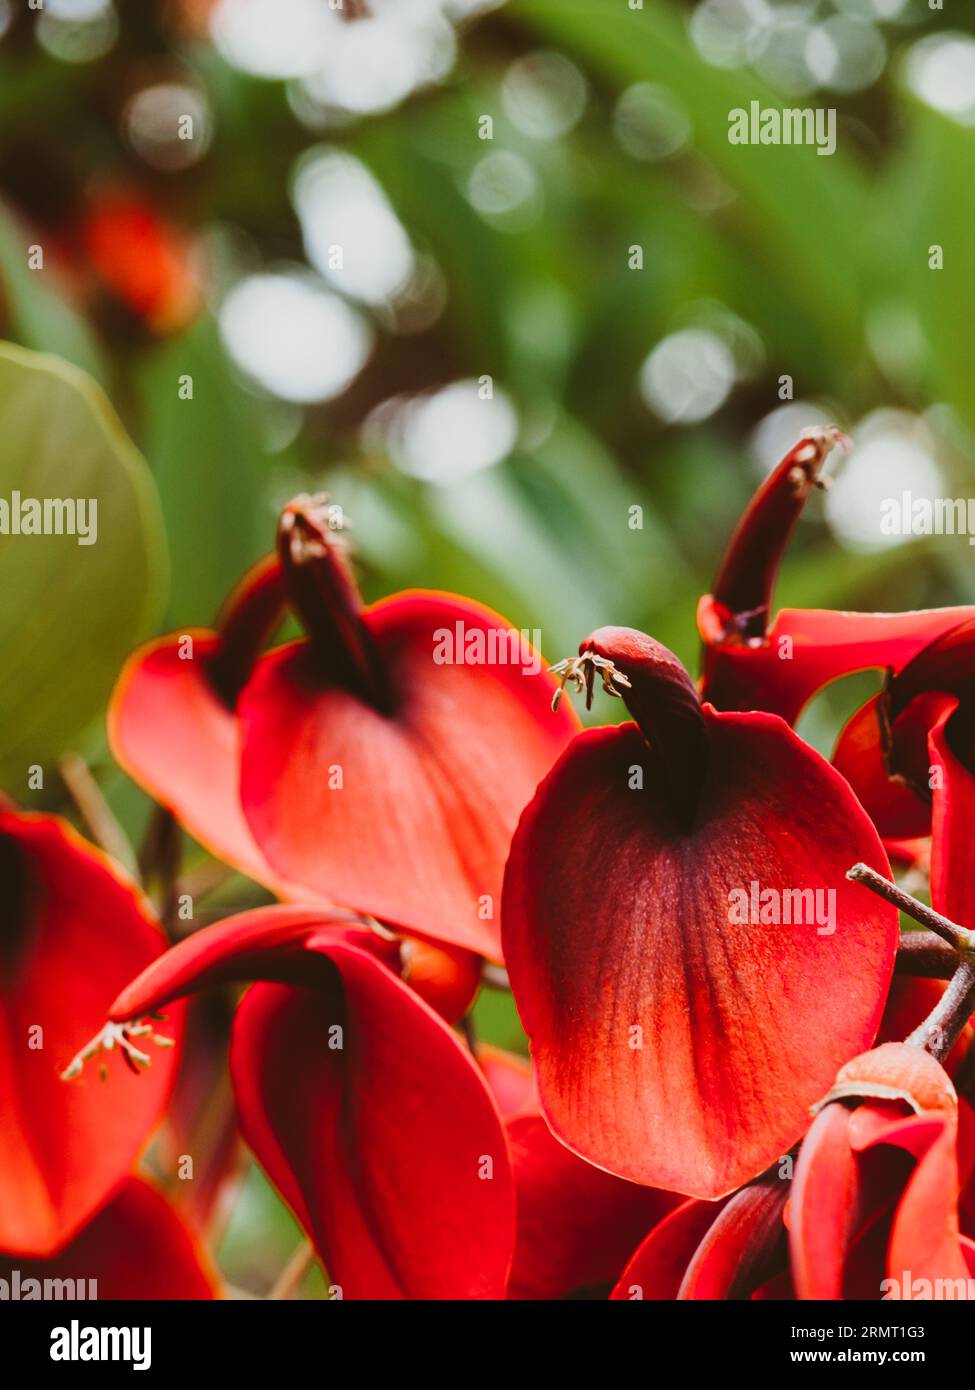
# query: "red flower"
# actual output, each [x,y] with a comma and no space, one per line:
[371,771]
[874,1210]
[675,1043]
[74,930]
[362,1105]
[136,1247]
[752,662]
[374,773]
[141,258]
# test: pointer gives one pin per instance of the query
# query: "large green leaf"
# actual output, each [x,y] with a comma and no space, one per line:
[69,612]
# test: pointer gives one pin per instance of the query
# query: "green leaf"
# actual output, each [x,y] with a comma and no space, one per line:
[211,469]
[71,612]
[39,317]
[796,214]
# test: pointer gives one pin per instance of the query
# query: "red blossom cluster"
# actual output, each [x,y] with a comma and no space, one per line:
[718,1104]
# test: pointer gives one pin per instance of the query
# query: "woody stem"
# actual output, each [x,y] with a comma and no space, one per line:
[939,1032]
[960,938]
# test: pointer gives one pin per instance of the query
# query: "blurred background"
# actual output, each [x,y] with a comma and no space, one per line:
[493,276]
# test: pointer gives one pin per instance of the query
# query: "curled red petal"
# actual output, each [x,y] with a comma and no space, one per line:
[805,649]
[894,805]
[824,1207]
[137,1247]
[744,1247]
[743,586]
[576,1225]
[407,816]
[75,928]
[380,1132]
[267,943]
[656,1269]
[676,1042]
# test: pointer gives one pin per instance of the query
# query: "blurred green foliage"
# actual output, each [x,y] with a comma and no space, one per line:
[817,267]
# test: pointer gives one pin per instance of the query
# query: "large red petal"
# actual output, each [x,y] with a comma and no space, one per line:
[576,1224]
[74,930]
[616,921]
[136,1247]
[389,1148]
[419,830]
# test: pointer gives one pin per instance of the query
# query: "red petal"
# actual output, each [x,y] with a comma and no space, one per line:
[657,1269]
[895,808]
[825,1203]
[382,1148]
[805,649]
[924,1238]
[269,943]
[615,918]
[744,1247]
[576,1224]
[511,1079]
[135,1248]
[952,842]
[418,833]
[75,930]
[743,587]
[172,733]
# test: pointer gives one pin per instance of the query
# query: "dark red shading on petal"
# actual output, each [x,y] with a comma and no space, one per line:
[744,1247]
[924,1236]
[894,806]
[615,918]
[135,1248]
[805,649]
[660,1262]
[661,697]
[74,928]
[382,1148]
[418,832]
[576,1225]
